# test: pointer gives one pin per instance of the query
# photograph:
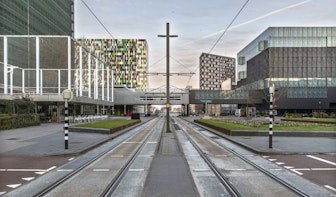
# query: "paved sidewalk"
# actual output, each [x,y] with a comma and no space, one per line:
[48,139]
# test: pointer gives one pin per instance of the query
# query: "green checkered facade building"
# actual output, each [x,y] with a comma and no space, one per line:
[128,59]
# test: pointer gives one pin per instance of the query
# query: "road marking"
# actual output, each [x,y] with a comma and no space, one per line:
[152,142]
[329,187]
[288,167]
[70,159]
[1,193]
[302,169]
[299,173]
[101,170]
[136,170]
[323,160]
[14,185]
[265,157]
[272,159]
[51,168]
[40,173]
[28,178]
[279,163]
[323,168]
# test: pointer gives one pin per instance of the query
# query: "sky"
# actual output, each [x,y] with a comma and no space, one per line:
[198,24]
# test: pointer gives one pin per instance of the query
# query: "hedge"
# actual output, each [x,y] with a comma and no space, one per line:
[11,121]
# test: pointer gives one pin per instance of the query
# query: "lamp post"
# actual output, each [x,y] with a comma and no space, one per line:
[167,36]
[67,96]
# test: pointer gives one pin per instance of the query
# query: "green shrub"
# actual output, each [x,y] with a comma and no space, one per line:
[8,121]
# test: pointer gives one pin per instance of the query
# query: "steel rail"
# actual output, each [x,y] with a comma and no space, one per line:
[222,178]
[122,172]
[260,168]
[51,187]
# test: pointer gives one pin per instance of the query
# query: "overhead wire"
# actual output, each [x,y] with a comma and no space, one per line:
[226,29]
[97,19]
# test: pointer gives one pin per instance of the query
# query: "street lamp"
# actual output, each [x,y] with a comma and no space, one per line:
[167,36]
[67,96]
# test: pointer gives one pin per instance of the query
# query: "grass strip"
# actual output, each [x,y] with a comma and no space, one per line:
[287,127]
[314,119]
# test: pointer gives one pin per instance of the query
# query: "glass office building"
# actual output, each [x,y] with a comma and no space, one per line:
[36,17]
[300,61]
[41,67]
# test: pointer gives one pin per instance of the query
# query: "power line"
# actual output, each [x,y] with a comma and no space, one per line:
[220,37]
[97,18]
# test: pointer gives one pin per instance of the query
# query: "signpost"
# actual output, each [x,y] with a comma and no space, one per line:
[67,96]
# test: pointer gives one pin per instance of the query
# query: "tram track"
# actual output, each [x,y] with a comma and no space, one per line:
[188,128]
[64,180]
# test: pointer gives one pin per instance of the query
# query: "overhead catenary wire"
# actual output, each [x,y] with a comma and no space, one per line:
[221,36]
[97,19]
[226,29]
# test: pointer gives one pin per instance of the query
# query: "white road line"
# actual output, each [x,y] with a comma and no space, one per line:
[299,173]
[265,157]
[301,169]
[288,167]
[279,163]
[272,159]
[70,159]
[323,160]
[23,170]
[2,193]
[152,142]
[14,185]
[51,168]
[28,178]
[329,187]
[323,169]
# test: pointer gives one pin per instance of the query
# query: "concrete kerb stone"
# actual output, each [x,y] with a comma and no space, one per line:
[260,133]
[265,133]
[103,131]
